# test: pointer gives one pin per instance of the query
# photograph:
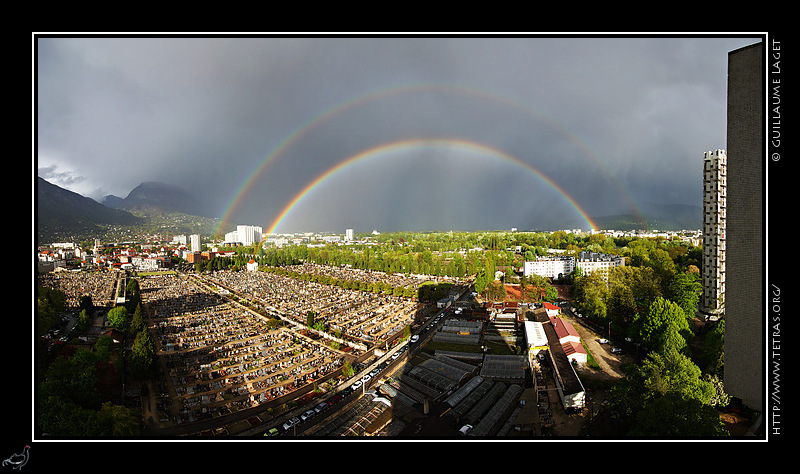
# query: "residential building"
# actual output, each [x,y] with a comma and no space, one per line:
[559,267]
[248,234]
[590,262]
[549,267]
[714,218]
[194,243]
[744,279]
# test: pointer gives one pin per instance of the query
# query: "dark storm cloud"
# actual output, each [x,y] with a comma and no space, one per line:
[609,119]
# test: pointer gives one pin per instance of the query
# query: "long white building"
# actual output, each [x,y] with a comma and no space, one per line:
[589,262]
[245,235]
[559,267]
[550,267]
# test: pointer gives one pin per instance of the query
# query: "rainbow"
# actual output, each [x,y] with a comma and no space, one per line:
[307,127]
[385,149]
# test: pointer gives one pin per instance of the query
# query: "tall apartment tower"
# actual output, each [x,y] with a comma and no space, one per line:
[248,234]
[744,279]
[194,242]
[714,216]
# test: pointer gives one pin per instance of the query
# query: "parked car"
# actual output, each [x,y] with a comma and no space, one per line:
[414,338]
[289,423]
[603,341]
[616,350]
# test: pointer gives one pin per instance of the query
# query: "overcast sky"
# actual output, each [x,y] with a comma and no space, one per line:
[523,130]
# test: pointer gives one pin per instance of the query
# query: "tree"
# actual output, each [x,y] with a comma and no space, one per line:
[103,347]
[347,369]
[85,303]
[663,266]
[674,372]
[310,316]
[550,293]
[117,420]
[142,357]
[118,318]
[496,291]
[73,379]
[661,324]
[713,357]
[83,321]
[674,415]
[665,396]
[50,303]
[137,321]
[684,289]
[591,292]
[720,398]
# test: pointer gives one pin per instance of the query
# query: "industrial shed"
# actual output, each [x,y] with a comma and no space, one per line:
[498,413]
[463,391]
[565,331]
[575,352]
[535,336]
[505,368]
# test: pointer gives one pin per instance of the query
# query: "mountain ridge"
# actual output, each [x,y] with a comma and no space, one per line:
[60,211]
[152,196]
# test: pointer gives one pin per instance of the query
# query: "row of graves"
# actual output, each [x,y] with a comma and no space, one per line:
[363,317]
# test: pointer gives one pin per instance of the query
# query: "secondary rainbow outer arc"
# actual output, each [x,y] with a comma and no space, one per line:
[341,107]
[384,149]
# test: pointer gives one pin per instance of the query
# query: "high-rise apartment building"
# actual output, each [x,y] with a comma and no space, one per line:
[714,217]
[744,276]
[194,243]
[248,234]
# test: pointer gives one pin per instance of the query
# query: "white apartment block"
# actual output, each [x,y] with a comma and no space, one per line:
[559,267]
[147,263]
[714,217]
[245,235]
[194,242]
[249,234]
[590,262]
[550,267]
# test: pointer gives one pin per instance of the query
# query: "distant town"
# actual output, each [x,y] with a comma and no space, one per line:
[154,252]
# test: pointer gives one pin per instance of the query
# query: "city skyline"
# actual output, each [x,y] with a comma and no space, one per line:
[432,133]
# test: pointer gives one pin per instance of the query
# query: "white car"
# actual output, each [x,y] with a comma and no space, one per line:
[414,338]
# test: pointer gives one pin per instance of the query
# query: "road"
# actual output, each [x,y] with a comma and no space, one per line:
[609,363]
